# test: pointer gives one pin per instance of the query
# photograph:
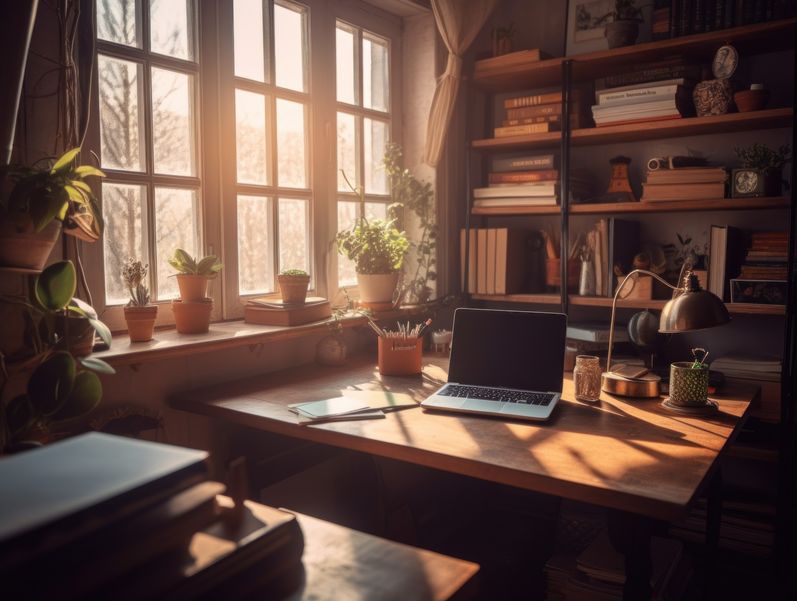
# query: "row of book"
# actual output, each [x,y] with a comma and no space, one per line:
[748,269]
[684,183]
[640,102]
[675,18]
[536,114]
[502,260]
[611,246]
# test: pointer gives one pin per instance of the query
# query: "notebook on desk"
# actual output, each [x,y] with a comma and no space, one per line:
[504,363]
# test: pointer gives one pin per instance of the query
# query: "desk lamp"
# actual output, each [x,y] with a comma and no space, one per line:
[691,309]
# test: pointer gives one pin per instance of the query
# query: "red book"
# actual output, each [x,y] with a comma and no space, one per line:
[543,175]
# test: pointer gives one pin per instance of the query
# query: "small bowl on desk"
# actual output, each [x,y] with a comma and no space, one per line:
[754,99]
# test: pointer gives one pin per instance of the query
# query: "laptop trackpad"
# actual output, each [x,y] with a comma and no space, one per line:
[481,405]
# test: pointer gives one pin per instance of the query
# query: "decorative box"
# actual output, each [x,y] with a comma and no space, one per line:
[762,292]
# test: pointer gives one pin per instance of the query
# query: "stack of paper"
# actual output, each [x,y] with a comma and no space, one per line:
[352,404]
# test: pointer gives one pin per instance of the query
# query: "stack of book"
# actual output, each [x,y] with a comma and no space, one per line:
[503,261]
[651,72]
[760,371]
[685,183]
[536,114]
[641,102]
[697,16]
[763,275]
[612,244]
[276,312]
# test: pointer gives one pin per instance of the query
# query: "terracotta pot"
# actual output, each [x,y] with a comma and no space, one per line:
[23,248]
[621,33]
[78,332]
[193,287]
[377,287]
[141,322]
[331,350]
[751,100]
[192,317]
[293,288]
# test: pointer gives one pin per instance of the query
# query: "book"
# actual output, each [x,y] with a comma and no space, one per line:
[522,130]
[651,107]
[538,99]
[637,95]
[688,175]
[526,162]
[541,175]
[511,260]
[509,190]
[541,119]
[536,201]
[595,332]
[624,244]
[511,59]
[686,192]
[667,116]
[491,259]
[529,112]
[471,258]
[481,267]
[726,256]
[275,313]
[676,162]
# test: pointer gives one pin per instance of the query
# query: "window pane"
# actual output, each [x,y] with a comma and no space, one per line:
[176,213]
[374,139]
[255,245]
[376,210]
[291,162]
[248,39]
[347,151]
[250,137]
[120,114]
[173,122]
[347,215]
[294,233]
[116,22]
[345,62]
[289,47]
[375,74]
[123,208]
[170,24]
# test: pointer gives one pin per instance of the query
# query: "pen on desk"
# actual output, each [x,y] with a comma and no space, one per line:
[423,327]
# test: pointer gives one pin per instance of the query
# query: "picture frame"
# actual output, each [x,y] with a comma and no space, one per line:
[585,31]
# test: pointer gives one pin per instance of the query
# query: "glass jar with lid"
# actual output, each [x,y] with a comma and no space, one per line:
[587,378]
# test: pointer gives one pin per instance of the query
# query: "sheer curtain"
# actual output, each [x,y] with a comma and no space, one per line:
[458,21]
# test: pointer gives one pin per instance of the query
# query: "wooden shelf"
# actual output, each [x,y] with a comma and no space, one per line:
[652,130]
[547,210]
[737,308]
[680,206]
[748,40]
[539,299]
[753,309]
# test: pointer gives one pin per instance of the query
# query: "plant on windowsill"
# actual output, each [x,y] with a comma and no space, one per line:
[39,202]
[377,249]
[63,385]
[408,192]
[293,285]
[623,29]
[192,310]
[140,314]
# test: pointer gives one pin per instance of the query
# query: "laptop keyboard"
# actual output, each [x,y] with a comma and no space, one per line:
[497,394]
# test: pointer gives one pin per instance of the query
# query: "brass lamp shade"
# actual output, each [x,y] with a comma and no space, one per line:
[695,309]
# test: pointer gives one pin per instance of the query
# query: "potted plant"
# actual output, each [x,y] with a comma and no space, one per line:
[293,285]
[502,39]
[193,275]
[36,203]
[761,173]
[140,314]
[623,29]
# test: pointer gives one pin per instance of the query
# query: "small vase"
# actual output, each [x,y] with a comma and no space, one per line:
[621,33]
[192,287]
[713,97]
[587,378]
[141,322]
[688,385]
[586,282]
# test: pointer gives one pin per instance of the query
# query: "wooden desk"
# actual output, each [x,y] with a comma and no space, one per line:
[631,455]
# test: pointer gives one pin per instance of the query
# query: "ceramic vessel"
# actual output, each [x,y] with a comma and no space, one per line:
[377,287]
[754,99]
[621,33]
[23,248]
[713,97]
[293,288]
[141,322]
[587,378]
[192,287]
[688,385]
[192,317]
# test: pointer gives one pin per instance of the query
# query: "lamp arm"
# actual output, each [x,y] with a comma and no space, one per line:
[614,307]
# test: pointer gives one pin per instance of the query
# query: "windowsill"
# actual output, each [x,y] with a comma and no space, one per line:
[168,344]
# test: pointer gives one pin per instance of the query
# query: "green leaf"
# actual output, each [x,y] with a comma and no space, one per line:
[65,161]
[19,414]
[74,194]
[44,206]
[97,365]
[209,265]
[81,185]
[56,285]
[85,309]
[87,171]
[85,396]
[51,383]
[102,330]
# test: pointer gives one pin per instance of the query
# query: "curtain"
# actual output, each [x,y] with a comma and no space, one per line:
[458,21]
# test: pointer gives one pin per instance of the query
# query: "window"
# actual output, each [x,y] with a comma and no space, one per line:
[148,81]
[363,128]
[259,192]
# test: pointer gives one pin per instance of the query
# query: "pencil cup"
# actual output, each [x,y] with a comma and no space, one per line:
[688,385]
[400,356]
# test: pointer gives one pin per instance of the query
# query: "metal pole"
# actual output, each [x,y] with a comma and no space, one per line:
[564,181]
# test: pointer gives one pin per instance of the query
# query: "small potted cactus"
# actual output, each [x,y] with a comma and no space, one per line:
[140,314]
[293,285]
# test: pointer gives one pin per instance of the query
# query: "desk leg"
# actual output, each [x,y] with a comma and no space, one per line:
[630,534]
[713,522]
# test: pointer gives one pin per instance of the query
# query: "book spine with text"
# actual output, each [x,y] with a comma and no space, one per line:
[542,175]
[538,99]
[636,95]
[521,130]
[542,161]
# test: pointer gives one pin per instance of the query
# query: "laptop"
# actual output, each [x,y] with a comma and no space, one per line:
[504,364]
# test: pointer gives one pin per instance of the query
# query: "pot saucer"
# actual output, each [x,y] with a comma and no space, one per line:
[710,408]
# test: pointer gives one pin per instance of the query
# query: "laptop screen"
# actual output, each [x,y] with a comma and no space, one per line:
[508,349]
